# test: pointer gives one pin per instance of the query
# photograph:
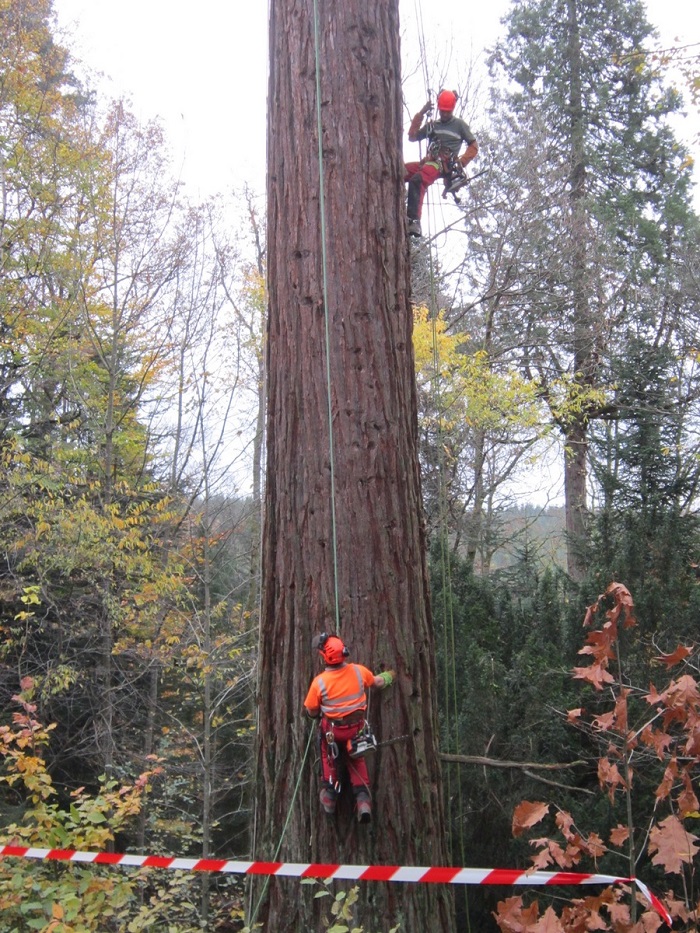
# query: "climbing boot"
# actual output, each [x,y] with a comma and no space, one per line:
[363,808]
[414,227]
[329,799]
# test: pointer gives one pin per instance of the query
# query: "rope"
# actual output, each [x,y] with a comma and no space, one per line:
[322,207]
[449,642]
[284,828]
[421,44]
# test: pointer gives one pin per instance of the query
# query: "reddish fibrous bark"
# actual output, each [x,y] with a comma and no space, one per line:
[377,559]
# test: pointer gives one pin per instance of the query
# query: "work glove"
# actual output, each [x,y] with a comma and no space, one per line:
[469,153]
[388,677]
[426,108]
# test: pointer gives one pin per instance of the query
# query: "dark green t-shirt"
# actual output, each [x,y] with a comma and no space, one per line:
[448,135]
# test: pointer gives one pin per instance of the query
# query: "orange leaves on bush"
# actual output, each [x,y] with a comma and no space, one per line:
[616,719]
[609,777]
[596,675]
[687,800]
[603,911]
[600,644]
[671,845]
[566,854]
[528,814]
[680,654]
[670,775]
[682,693]
[513,917]
[619,835]
[672,733]
[678,908]
[549,923]
[656,739]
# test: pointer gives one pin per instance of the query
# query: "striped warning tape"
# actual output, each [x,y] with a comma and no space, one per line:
[435,875]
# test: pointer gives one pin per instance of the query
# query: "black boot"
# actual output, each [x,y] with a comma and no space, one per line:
[414,227]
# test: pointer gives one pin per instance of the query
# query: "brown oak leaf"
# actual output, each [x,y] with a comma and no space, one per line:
[548,923]
[609,775]
[624,605]
[675,657]
[670,775]
[671,845]
[619,835]
[595,675]
[512,917]
[528,813]
[687,799]
[656,739]
[681,693]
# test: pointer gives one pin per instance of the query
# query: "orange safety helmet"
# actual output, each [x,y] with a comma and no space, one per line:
[447,100]
[331,648]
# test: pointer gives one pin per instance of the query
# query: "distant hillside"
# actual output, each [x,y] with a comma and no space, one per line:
[539,532]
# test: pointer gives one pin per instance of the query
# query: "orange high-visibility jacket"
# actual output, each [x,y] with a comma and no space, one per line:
[339,691]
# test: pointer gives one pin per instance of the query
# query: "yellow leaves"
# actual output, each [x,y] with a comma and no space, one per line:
[30,596]
[471,390]
[570,398]
[23,616]
[432,342]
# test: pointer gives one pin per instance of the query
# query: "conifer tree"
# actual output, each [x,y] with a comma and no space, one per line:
[611,225]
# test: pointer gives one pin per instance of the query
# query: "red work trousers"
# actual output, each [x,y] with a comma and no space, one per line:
[332,766]
[420,176]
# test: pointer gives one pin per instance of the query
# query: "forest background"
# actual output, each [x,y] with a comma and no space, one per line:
[132,445]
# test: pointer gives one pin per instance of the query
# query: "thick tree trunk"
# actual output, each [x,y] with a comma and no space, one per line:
[380,549]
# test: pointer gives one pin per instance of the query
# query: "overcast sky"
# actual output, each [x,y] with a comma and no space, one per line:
[202,67]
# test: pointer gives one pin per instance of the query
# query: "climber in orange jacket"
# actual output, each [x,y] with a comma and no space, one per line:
[338,695]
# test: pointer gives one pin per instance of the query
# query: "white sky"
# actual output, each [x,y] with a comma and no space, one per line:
[202,67]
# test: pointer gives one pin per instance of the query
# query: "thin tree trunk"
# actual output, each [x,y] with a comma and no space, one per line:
[379,550]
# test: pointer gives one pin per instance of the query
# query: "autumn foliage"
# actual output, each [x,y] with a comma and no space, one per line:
[652,733]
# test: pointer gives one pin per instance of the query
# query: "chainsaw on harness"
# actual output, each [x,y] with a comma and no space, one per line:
[362,743]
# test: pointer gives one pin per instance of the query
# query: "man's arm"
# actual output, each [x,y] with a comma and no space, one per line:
[312,703]
[414,129]
[469,153]
[385,679]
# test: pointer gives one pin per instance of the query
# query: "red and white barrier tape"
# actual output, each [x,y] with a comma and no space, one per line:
[409,874]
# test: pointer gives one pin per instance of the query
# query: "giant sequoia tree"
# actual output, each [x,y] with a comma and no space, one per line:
[343,516]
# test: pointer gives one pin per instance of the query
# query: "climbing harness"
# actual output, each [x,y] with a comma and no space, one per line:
[452,172]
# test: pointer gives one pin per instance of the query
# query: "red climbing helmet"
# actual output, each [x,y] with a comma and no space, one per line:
[447,100]
[332,649]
